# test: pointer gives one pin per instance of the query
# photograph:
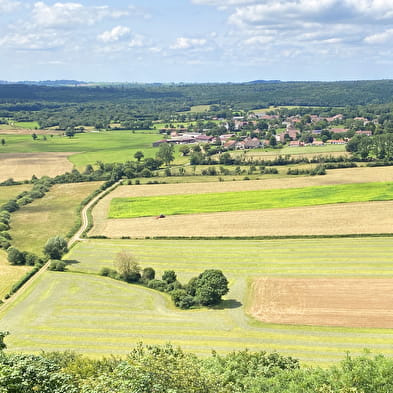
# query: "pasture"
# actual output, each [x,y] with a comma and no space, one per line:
[54,214]
[98,316]
[106,146]
[22,166]
[249,200]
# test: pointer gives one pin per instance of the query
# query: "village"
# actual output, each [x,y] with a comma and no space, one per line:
[245,132]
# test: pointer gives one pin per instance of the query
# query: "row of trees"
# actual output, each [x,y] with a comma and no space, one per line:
[206,289]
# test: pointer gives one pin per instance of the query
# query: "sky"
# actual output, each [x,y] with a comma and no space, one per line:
[196,40]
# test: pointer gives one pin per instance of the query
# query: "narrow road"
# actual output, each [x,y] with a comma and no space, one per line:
[77,237]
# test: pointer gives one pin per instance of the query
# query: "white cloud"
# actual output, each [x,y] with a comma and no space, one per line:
[115,34]
[8,5]
[259,40]
[32,41]
[70,14]
[188,43]
[379,38]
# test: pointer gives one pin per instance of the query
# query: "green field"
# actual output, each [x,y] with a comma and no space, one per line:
[30,125]
[107,146]
[98,316]
[249,200]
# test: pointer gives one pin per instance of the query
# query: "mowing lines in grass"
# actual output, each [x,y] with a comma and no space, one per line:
[99,316]
[249,200]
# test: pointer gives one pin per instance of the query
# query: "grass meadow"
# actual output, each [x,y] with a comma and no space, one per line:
[54,214]
[10,192]
[249,200]
[9,274]
[107,146]
[81,311]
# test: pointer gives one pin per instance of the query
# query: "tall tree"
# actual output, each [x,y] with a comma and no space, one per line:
[166,153]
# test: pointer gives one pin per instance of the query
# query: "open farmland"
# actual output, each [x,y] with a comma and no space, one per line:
[22,166]
[54,214]
[249,200]
[329,219]
[98,316]
[107,146]
[331,302]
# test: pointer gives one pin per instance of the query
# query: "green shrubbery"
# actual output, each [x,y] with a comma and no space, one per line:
[166,369]
[203,290]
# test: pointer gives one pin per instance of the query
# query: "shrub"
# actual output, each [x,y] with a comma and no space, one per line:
[148,274]
[15,257]
[58,266]
[157,285]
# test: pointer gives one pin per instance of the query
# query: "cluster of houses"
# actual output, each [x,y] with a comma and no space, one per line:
[290,135]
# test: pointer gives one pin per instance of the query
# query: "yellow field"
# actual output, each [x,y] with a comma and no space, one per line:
[355,218]
[9,274]
[22,166]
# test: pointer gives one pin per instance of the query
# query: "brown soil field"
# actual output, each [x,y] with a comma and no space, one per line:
[354,218]
[22,166]
[366,303]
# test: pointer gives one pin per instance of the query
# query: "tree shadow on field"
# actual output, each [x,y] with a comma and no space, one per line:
[70,261]
[227,304]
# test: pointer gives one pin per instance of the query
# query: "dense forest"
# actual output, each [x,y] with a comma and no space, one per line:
[66,106]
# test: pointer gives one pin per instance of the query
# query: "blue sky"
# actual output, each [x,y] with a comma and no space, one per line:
[196,40]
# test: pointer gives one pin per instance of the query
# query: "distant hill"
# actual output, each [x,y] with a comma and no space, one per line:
[260,81]
[61,82]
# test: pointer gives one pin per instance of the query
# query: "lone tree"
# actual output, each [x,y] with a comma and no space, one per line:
[127,266]
[138,155]
[209,287]
[55,247]
[166,153]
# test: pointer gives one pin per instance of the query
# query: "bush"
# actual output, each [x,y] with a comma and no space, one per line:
[182,299]
[4,227]
[58,266]
[148,274]
[158,285]
[15,257]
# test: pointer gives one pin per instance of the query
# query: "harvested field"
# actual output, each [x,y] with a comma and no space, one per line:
[349,218]
[333,219]
[78,310]
[22,166]
[22,131]
[365,303]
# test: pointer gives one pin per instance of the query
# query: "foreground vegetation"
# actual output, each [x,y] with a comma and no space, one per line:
[166,369]
[249,200]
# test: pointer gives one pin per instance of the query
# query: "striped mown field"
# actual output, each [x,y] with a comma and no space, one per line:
[99,316]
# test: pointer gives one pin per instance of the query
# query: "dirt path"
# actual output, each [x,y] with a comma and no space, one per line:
[77,237]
